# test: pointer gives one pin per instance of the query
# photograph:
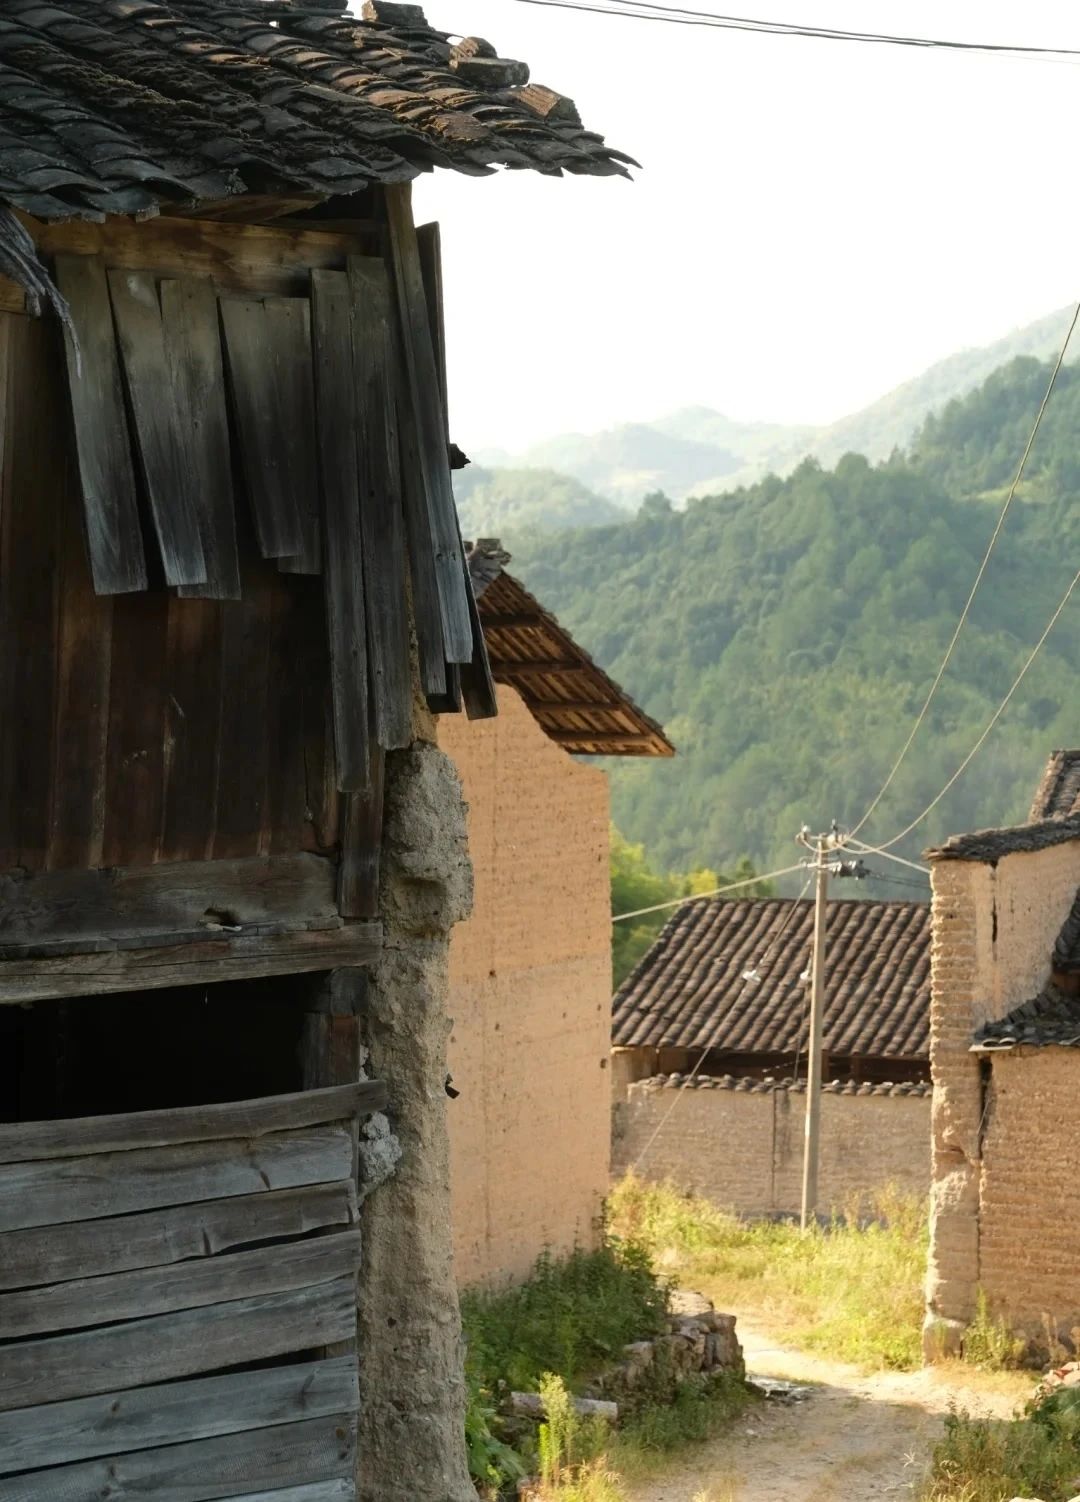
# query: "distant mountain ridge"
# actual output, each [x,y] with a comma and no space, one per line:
[698,451]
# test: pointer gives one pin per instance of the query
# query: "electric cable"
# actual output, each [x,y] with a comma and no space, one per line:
[748,881]
[713,1036]
[644,10]
[921,716]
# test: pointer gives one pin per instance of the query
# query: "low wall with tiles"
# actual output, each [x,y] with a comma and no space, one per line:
[739,1142]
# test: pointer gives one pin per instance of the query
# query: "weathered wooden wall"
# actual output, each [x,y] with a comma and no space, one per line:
[144,1257]
[143,727]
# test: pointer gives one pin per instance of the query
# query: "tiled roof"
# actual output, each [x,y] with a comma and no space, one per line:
[1058,794]
[689,990]
[745,1085]
[572,699]
[127,106]
[1054,819]
[1053,1016]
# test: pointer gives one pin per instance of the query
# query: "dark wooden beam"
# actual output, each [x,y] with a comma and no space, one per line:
[201,962]
[508,620]
[506,672]
[601,737]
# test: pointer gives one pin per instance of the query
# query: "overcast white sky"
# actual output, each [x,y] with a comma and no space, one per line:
[813,222]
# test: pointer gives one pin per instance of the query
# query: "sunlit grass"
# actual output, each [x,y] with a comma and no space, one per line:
[851,1290]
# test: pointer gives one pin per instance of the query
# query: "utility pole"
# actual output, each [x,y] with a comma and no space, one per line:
[822,846]
[817,1017]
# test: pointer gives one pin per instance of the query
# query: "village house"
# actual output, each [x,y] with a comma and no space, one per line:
[716,1014]
[232,593]
[1005,1034]
[530,969]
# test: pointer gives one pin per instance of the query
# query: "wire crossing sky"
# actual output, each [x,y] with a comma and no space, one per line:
[811,226]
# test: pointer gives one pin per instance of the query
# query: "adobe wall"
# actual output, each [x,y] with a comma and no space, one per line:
[1027,1242]
[994,928]
[530,998]
[742,1146]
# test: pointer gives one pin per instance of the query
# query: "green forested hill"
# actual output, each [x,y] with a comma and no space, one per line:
[787,633]
[698,451]
[503,502]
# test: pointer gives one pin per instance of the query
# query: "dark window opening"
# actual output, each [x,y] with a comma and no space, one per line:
[152,1050]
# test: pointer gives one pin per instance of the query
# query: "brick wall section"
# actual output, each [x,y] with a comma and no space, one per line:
[743,1149]
[1027,1246]
[530,998]
[994,928]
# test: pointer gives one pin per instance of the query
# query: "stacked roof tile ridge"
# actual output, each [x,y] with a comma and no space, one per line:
[750,1086]
[1051,1017]
[690,990]
[1054,819]
[129,106]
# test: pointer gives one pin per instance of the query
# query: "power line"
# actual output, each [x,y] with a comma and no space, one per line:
[643,10]
[885,845]
[749,881]
[794,908]
[864,849]
[921,716]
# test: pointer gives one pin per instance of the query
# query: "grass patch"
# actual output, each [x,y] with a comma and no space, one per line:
[851,1290]
[572,1317]
[551,1334]
[980,1460]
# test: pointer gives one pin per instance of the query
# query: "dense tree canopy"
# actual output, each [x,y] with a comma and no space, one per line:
[786,634]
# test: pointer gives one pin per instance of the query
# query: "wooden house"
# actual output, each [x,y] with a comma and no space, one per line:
[232,589]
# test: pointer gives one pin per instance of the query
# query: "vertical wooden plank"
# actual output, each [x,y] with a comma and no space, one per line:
[427,612]
[381,521]
[33,478]
[322,800]
[247,626]
[288,325]
[427,406]
[114,536]
[189,316]
[361,844]
[192,727]
[293,599]
[136,737]
[84,660]
[440,685]
[474,680]
[160,439]
[256,374]
[345,605]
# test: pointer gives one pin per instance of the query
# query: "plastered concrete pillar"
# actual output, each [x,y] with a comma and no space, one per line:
[411,1441]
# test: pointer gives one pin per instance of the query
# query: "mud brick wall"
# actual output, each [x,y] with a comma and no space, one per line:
[530,998]
[994,928]
[1027,1240]
[739,1143]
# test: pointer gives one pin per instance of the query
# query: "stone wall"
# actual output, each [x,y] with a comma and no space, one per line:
[739,1143]
[530,997]
[994,928]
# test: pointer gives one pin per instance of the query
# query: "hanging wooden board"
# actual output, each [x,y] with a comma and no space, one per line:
[288,326]
[189,315]
[345,603]
[158,434]
[431,428]
[259,349]
[106,470]
[381,519]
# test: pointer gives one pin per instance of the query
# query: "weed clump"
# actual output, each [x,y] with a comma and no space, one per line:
[851,1289]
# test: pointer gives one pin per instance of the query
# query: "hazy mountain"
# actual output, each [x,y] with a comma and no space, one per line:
[786,634]
[505,502]
[697,451]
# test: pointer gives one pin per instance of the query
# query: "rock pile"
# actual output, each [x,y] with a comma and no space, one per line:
[698,1341]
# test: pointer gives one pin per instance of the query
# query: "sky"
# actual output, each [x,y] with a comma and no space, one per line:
[813,222]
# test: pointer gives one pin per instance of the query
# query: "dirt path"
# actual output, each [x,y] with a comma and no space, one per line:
[857,1437]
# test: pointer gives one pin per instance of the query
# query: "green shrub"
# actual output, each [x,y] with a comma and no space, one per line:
[988,1341]
[982,1460]
[571,1317]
